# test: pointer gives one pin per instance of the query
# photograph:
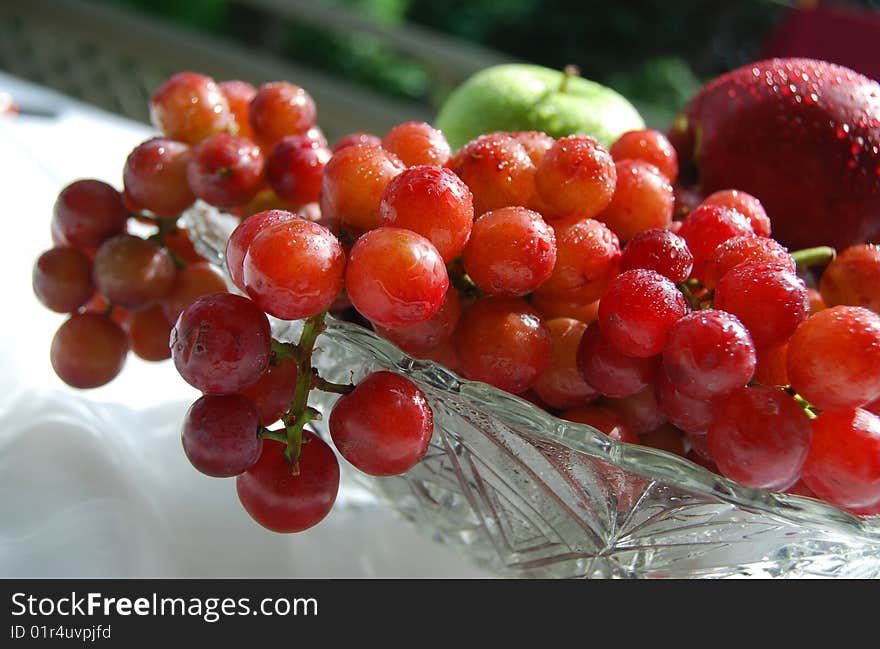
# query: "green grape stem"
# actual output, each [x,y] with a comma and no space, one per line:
[817,256]
[300,413]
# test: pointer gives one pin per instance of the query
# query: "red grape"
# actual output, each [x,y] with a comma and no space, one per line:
[221,343]
[148,332]
[561,384]
[706,228]
[285,500]
[294,269]
[280,108]
[649,145]
[587,259]
[133,272]
[357,138]
[843,466]
[88,212]
[576,177]
[745,204]
[433,202]
[687,413]
[833,358]
[242,237]
[88,350]
[427,335]
[759,437]
[220,435]
[642,200]
[62,279]
[498,171]
[155,177]
[189,107]
[661,250]
[353,183]
[603,419]
[511,251]
[610,372]
[225,170]
[272,393]
[853,278]
[192,281]
[770,300]
[295,168]
[383,427]
[638,309]
[239,95]
[417,143]
[740,250]
[395,277]
[504,342]
[709,353]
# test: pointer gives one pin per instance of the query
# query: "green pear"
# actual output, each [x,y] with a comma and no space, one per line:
[527,97]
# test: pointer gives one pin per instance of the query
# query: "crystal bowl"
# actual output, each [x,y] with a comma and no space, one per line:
[525,494]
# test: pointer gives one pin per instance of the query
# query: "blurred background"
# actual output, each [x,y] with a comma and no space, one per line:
[372,63]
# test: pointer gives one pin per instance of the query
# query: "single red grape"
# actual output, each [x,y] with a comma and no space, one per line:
[295,168]
[658,249]
[280,108]
[707,227]
[504,342]
[691,415]
[745,204]
[294,269]
[354,180]
[357,138]
[740,250]
[833,358]
[221,343]
[498,171]
[427,335]
[272,393]
[843,466]
[88,350]
[87,213]
[642,200]
[770,300]
[62,279]
[395,277]
[242,237]
[192,281]
[853,278]
[576,176]
[511,251]
[383,427]
[286,500]
[220,435]
[239,95]
[225,170]
[417,143]
[133,272]
[433,202]
[610,372]
[760,437]
[189,107]
[155,177]
[587,259]
[148,332]
[649,145]
[637,311]
[709,353]
[561,384]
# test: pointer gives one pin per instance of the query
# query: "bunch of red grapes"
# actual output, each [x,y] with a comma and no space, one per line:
[575,276]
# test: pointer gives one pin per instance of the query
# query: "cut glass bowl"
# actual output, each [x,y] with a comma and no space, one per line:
[525,494]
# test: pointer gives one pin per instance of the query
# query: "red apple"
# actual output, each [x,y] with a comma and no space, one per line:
[801,135]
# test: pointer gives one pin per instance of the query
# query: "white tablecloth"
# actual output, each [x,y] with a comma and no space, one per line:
[94,483]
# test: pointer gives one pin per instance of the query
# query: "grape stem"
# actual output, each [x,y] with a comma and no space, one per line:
[319,383]
[568,72]
[818,256]
[300,413]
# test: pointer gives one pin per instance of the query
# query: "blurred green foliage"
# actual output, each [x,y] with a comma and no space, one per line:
[655,52]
